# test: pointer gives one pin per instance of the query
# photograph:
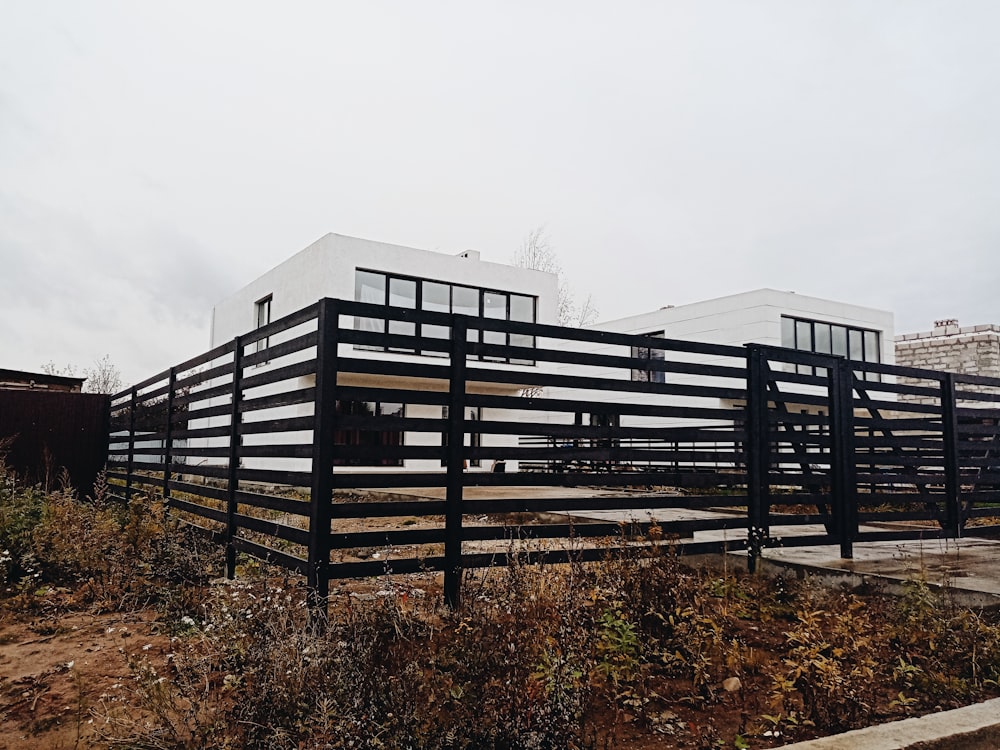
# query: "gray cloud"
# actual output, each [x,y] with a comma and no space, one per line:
[155,158]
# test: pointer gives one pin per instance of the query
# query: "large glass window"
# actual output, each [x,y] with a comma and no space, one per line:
[522,310]
[654,354]
[373,439]
[465,301]
[370,287]
[262,312]
[435,296]
[495,308]
[860,344]
[402,293]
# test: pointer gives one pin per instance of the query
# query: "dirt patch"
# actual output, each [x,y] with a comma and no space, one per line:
[57,671]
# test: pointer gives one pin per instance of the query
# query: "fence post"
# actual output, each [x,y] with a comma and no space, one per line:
[843,466]
[168,438]
[456,463]
[949,438]
[323,453]
[233,478]
[131,444]
[758,456]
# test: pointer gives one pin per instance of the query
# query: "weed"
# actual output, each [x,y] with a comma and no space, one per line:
[948,654]
[538,656]
[828,677]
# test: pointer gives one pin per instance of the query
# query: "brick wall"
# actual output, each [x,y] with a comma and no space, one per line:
[973,350]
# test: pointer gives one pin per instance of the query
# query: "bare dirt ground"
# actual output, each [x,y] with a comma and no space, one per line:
[58,674]
[64,669]
[62,675]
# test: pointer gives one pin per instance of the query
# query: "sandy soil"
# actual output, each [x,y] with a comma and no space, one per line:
[58,675]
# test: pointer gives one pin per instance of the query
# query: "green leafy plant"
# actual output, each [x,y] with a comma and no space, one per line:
[828,675]
[617,646]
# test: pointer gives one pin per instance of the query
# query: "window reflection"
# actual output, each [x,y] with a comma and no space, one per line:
[859,344]
[439,297]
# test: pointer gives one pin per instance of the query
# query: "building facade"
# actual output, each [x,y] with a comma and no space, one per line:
[764,316]
[968,350]
[362,270]
[400,277]
[773,318]
[367,271]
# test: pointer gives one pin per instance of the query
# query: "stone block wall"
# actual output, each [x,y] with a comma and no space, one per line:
[972,350]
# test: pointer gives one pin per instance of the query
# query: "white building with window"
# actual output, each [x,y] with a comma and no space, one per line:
[367,271]
[763,316]
[375,272]
[773,318]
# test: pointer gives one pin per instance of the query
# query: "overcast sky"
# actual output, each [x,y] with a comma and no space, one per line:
[155,157]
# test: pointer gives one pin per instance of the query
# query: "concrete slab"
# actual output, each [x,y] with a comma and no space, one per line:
[967,567]
[971,728]
[968,564]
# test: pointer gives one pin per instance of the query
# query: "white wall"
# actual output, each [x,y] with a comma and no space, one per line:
[327,269]
[736,320]
[754,317]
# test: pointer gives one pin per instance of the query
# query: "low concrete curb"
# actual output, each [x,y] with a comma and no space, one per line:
[971,728]
[833,577]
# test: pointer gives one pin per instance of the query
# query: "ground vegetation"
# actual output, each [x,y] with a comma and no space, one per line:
[116,632]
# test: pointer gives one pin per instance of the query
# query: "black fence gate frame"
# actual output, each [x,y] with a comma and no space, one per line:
[771,446]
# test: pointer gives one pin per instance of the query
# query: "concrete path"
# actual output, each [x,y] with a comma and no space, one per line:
[967,566]
[971,728]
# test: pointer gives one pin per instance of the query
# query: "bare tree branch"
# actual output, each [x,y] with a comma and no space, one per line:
[104,377]
[50,368]
[536,252]
[587,313]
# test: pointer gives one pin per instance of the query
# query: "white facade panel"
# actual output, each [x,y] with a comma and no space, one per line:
[755,317]
[327,269]
[736,320]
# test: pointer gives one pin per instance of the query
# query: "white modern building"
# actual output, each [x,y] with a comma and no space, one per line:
[763,316]
[362,270]
[367,271]
[355,269]
[773,318]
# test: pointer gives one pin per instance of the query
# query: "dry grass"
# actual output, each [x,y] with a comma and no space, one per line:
[627,652]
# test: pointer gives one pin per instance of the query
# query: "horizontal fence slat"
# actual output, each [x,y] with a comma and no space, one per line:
[290,398]
[274,502]
[657,439]
[272,528]
[267,554]
[213,514]
[279,374]
[340,510]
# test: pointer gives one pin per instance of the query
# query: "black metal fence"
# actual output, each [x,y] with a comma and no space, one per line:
[351,440]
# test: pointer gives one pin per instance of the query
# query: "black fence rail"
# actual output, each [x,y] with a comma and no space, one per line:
[351,440]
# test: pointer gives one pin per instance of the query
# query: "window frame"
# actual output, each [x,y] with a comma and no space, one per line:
[475,336]
[263,305]
[796,326]
[653,354]
[342,435]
